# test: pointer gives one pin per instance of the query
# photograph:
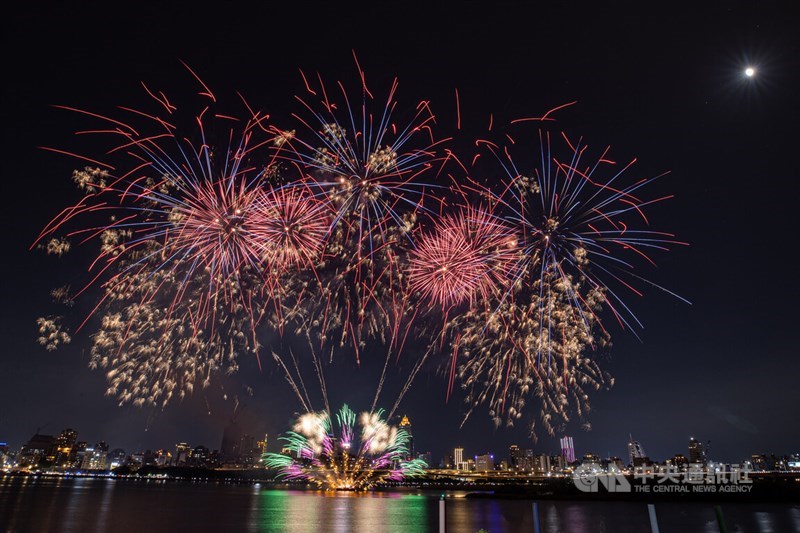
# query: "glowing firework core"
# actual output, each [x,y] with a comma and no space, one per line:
[340,462]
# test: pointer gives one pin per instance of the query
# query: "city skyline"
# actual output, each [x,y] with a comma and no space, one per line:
[720,370]
[233,436]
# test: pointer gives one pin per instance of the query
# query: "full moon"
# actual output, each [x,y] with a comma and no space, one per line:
[749,72]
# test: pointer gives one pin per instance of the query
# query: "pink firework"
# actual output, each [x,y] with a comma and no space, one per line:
[468,254]
[218,226]
[294,224]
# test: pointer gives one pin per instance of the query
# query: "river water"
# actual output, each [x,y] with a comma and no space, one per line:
[30,504]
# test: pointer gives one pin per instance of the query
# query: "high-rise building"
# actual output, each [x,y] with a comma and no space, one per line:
[78,451]
[36,452]
[458,458]
[484,463]
[262,445]
[199,456]
[65,442]
[568,449]
[540,464]
[116,458]
[515,456]
[230,449]
[405,424]
[635,451]
[697,452]
[94,457]
[182,451]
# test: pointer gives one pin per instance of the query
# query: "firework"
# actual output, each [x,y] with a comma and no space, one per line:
[293,227]
[579,221]
[374,173]
[200,243]
[343,459]
[187,250]
[538,338]
[468,255]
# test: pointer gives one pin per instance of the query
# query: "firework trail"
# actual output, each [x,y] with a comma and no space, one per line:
[188,250]
[578,238]
[580,221]
[343,459]
[376,174]
[203,241]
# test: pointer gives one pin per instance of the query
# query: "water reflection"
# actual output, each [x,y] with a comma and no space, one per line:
[86,505]
[341,512]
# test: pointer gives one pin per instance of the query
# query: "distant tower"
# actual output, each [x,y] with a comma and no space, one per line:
[405,424]
[568,449]
[697,452]
[635,451]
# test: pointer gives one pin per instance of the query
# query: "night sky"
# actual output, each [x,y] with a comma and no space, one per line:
[663,84]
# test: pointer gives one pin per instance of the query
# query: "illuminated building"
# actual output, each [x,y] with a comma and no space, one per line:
[405,424]
[458,458]
[65,442]
[181,453]
[116,458]
[36,451]
[94,458]
[515,456]
[262,445]
[484,463]
[199,456]
[568,449]
[591,459]
[697,452]
[540,464]
[680,461]
[635,451]
[248,451]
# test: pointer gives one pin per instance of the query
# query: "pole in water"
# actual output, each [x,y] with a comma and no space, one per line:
[536,527]
[441,514]
[720,519]
[651,509]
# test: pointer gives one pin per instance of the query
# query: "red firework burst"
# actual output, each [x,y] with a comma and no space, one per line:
[468,254]
[294,224]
